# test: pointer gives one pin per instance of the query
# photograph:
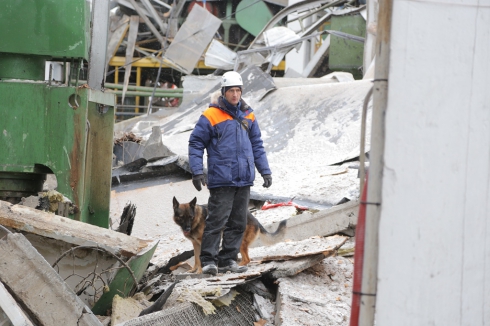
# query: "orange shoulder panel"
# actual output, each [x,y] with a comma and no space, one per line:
[215,116]
[251,116]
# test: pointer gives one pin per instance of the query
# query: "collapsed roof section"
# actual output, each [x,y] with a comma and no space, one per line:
[187,36]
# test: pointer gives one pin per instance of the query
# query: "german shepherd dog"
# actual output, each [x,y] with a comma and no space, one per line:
[191,218]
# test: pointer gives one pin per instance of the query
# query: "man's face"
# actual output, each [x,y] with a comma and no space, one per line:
[233,95]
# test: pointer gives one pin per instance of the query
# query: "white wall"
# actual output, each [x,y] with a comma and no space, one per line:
[434,258]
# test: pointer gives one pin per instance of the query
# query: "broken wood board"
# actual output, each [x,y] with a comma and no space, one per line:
[37,285]
[323,223]
[77,233]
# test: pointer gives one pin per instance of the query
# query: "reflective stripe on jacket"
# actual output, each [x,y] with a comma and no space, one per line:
[232,151]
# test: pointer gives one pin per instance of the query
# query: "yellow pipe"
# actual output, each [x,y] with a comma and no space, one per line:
[116,75]
[149,63]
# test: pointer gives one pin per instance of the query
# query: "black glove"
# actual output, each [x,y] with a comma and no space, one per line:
[267,180]
[197,180]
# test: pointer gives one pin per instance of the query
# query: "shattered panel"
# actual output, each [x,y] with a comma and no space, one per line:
[192,39]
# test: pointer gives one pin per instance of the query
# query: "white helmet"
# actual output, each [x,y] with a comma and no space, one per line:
[231,78]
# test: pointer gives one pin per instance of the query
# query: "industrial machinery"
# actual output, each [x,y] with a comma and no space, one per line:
[54,125]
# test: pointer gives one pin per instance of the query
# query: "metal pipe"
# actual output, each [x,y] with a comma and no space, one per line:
[144,88]
[362,154]
[147,94]
[374,193]
[138,83]
[166,91]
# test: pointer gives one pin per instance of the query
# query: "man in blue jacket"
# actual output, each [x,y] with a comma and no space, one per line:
[231,136]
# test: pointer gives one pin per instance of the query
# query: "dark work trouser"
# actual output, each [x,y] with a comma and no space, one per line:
[227,211]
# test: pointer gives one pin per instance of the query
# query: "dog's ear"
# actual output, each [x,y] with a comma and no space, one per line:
[176,203]
[193,202]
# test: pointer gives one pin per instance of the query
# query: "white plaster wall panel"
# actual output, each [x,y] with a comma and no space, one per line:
[436,179]
[475,307]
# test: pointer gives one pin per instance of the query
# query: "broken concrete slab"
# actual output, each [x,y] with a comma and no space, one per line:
[296,249]
[282,259]
[307,224]
[11,313]
[49,299]
[265,308]
[320,295]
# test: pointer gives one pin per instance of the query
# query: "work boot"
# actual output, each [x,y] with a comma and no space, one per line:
[210,269]
[233,267]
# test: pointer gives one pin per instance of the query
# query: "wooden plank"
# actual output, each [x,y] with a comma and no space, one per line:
[45,224]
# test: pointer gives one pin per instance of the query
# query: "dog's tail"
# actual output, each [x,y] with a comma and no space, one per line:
[280,232]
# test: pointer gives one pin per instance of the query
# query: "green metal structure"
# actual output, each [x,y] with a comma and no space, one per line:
[346,55]
[52,128]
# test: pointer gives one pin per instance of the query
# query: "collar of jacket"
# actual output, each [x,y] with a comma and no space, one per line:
[244,107]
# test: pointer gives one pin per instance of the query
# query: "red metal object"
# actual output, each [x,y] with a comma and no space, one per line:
[209,7]
[359,259]
[268,205]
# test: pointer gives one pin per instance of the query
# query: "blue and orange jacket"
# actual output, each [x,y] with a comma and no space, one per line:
[233,152]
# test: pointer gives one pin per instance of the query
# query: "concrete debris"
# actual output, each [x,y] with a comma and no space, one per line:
[49,300]
[94,263]
[132,149]
[296,249]
[319,296]
[322,223]
[265,308]
[160,302]
[50,201]
[127,136]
